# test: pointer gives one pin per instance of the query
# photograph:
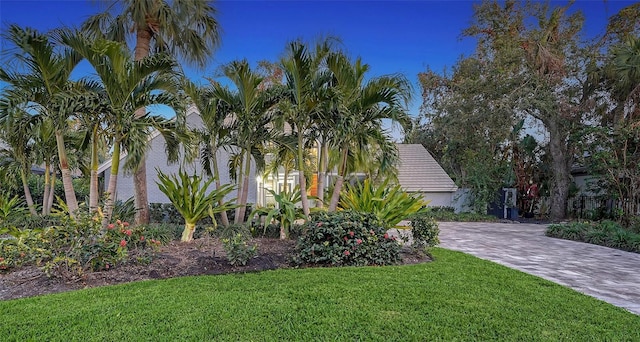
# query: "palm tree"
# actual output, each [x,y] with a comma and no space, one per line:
[129,85]
[42,86]
[249,108]
[215,133]
[19,152]
[360,107]
[186,29]
[304,81]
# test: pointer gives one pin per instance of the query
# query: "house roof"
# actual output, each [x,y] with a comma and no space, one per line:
[419,172]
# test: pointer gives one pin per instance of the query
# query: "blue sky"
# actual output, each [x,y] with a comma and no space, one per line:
[392,36]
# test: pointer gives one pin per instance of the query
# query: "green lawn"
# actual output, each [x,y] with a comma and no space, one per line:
[457,297]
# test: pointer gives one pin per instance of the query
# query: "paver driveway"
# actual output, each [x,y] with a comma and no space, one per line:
[604,273]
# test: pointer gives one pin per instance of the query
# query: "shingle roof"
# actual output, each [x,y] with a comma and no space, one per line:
[419,172]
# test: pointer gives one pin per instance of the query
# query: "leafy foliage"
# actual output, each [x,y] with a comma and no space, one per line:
[285,212]
[238,250]
[604,233]
[390,204]
[346,238]
[189,196]
[424,231]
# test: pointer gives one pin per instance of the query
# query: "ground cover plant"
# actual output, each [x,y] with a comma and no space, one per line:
[457,297]
[604,233]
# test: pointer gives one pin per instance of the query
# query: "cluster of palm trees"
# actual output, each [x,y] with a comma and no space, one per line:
[315,96]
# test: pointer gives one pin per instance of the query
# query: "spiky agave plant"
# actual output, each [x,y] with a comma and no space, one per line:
[192,198]
[390,204]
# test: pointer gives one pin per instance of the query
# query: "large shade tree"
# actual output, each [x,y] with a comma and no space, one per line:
[186,29]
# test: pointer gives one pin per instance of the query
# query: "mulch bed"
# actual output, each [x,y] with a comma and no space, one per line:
[200,257]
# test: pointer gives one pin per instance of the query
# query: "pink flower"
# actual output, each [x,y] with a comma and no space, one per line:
[123,243]
[358,241]
[119,222]
[346,253]
[127,232]
[346,238]
[319,224]
[386,236]
[106,266]
[126,224]
[372,232]
[141,238]
[110,226]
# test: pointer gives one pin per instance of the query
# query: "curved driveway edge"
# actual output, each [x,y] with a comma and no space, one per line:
[608,274]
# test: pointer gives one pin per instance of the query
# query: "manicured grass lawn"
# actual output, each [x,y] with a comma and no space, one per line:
[457,297]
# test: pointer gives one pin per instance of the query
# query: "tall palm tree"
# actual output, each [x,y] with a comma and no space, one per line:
[360,108]
[214,135]
[16,135]
[129,85]
[186,29]
[304,81]
[250,110]
[44,79]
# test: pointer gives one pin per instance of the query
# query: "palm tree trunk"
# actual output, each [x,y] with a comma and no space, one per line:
[322,173]
[69,193]
[27,193]
[301,178]
[141,197]
[216,173]
[47,186]
[240,179]
[113,182]
[335,197]
[245,188]
[93,183]
[52,191]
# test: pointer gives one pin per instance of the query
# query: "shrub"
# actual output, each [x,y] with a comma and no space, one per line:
[390,204]
[232,230]
[606,233]
[424,230]
[346,238]
[238,250]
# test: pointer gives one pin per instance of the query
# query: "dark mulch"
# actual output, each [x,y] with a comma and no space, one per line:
[200,257]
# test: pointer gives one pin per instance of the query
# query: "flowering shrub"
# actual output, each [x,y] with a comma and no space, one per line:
[238,250]
[346,238]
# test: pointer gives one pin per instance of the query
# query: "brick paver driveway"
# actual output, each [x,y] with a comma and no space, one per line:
[604,273]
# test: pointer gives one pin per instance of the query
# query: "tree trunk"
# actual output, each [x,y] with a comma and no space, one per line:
[301,178]
[52,191]
[47,186]
[93,183]
[322,174]
[335,197]
[69,193]
[245,188]
[216,173]
[27,192]
[240,180]
[187,233]
[113,182]
[561,163]
[141,197]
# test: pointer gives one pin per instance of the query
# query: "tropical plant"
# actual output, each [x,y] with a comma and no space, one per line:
[359,110]
[129,86]
[10,207]
[286,211]
[40,87]
[390,204]
[214,135]
[238,250]
[187,30]
[248,107]
[192,198]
